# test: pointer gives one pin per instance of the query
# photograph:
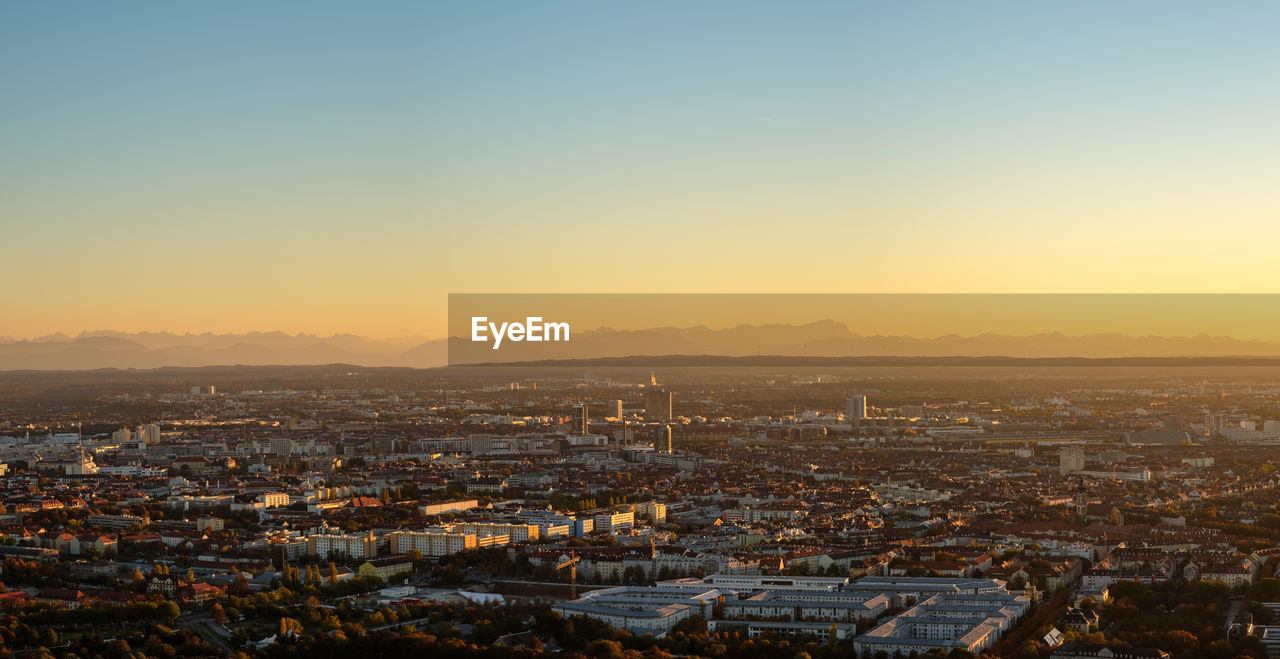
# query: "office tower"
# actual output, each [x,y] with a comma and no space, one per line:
[855,407]
[1071,460]
[662,439]
[581,423]
[616,408]
[1214,424]
[149,433]
[657,405]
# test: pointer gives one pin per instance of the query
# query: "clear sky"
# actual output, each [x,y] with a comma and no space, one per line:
[333,167]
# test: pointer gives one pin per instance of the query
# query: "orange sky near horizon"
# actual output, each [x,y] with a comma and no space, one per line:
[1243,316]
[1250,317]
[342,168]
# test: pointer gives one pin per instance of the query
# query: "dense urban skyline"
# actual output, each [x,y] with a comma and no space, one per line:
[1024,511]
[719,330]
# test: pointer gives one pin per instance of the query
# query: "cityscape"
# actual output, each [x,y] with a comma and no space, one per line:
[851,512]
[729,329]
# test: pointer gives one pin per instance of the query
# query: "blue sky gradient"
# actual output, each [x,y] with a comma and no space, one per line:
[321,167]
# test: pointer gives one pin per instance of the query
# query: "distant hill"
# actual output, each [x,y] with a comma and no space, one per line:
[796,361]
[828,338]
[825,338]
[107,349]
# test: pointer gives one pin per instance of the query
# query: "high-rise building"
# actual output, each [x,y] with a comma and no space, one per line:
[615,407]
[662,439]
[657,405]
[149,433]
[855,407]
[1214,424]
[581,420]
[1071,460]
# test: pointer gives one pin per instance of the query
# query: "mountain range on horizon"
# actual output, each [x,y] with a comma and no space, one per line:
[825,338]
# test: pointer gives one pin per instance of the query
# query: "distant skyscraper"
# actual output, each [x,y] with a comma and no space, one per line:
[657,405]
[149,433]
[1214,424]
[581,420]
[1071,460]
[855,407]
[662,439]
[616,408]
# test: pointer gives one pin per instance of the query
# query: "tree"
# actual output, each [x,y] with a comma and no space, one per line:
[1180,642]
[168,611]
[604,649]
[289,626]
[219,614]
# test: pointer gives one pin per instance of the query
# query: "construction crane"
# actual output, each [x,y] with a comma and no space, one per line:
[572,564]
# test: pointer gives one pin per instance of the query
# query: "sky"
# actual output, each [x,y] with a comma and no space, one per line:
[343,167]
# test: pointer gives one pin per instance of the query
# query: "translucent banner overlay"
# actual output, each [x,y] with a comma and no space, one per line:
[506,328]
